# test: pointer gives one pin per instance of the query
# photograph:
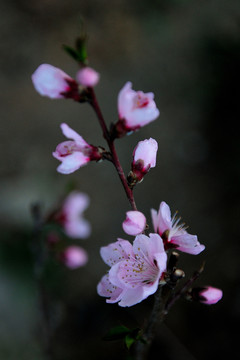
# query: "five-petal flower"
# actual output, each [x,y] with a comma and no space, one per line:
[135,269]
[174,233]
[74,153]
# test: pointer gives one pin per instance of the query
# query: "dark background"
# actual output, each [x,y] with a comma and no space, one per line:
[188,53]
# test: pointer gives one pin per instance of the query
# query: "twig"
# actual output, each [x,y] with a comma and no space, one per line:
[93,101]
[162,304]
[39,255]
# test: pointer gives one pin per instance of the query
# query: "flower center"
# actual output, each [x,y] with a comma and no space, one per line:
[140,100]
[139,270]
[176,229]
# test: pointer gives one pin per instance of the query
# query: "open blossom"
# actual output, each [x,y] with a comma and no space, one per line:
[135,108]
[75,153]
[74,257]
[53,82]
[174,233]
[207,295]
[71,215]
[135,269]
[87,77]
[135,223]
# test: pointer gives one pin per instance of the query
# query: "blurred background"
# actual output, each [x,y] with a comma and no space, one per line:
[186,52]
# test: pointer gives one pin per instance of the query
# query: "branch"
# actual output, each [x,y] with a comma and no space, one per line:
[129,192]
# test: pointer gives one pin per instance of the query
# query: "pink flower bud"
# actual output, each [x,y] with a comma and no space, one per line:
[135,223]
[53,82]
[135,109]
[74,257]
[146,153]
[207,295]
[144,158]
[75,153]
[88,77]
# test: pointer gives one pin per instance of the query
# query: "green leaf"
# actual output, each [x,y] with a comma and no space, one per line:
[82,48]
[70,51]
[118,332]
[129,340]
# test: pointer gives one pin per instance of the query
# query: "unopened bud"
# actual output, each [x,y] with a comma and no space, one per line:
[74,257]
[207,294]
[134,223]
[88,77]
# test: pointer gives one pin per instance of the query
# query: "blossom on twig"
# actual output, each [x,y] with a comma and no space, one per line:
[75,153]
[135,109]
[144,158]
[71,217]
[174,233]
[135,269]
[54,83]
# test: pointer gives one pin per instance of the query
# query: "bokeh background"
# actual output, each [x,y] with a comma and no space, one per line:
[188,53]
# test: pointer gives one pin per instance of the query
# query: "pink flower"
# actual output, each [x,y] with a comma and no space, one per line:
[207,295]
[76,153]
[74,257]
[173,233]
[88,77]
[135,269]
[70,215]
[53,82]
[134,223]
[135,108]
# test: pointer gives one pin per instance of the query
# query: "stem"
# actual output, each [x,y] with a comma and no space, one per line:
[39,264]
[143,347]
[160,309]
[115,159]
[183,290]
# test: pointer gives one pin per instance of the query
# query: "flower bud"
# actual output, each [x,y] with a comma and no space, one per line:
[135,223]
[53,82]
[206,295]
[144,158]
[88,77]
[74,257]
[146,151]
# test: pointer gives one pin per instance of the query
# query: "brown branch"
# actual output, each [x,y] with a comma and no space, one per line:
[129,192]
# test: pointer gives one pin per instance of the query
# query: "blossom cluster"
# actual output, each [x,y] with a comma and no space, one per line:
[136,269]
[145,261]
[69,216]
